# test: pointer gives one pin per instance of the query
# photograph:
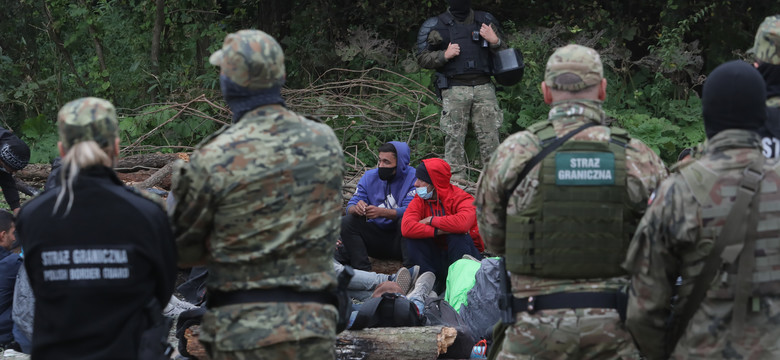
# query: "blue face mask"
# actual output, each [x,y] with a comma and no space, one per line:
[422,192]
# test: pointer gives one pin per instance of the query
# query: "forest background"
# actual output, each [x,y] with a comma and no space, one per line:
[351,63]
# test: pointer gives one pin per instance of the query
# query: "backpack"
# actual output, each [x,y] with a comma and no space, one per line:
[440,312]
[389,310]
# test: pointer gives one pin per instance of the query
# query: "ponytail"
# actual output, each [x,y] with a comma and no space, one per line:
[81,155]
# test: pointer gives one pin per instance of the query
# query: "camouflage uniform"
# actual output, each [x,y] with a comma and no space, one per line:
[563,333]
[766,48]
[766,51]
[669,242]
[685,221]
[462,102]
[260,202]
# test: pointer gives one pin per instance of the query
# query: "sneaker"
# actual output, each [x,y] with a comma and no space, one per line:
[404,279]
[422,286]
[176,307]
[414,271]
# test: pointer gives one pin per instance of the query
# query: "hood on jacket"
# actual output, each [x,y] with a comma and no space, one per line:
[402,159]
[440,173]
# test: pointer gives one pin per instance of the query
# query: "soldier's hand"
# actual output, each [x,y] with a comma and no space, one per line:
[452,51]
[486,31]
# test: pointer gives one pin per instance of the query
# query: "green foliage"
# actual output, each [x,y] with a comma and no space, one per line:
[161,126]
[41,136]
[654,64]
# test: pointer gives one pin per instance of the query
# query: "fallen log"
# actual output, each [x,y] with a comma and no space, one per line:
[147,161]
[404,343]
[162,175]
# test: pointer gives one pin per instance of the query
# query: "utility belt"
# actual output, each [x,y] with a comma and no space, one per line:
[470,82]
[577,300]
[218,298]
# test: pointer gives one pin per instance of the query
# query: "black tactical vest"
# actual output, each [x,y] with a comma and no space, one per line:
[474,55]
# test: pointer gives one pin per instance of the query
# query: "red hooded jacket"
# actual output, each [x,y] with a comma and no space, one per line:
[453,209]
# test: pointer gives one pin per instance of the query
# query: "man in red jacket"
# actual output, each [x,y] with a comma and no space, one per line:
[440,224]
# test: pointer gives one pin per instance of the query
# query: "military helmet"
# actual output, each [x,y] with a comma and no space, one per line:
[87,119]
[582,65]
[766,47]
[251,59]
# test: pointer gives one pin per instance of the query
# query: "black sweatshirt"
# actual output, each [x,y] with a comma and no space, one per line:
[93,270]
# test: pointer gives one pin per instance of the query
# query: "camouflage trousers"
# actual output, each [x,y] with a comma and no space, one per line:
[459,105]
[306,349]
[299,331]
[568,334]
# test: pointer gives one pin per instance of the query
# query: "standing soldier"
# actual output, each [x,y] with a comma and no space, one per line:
[713,223]
[259,204]
[561,201]
[766,52]
[458,44]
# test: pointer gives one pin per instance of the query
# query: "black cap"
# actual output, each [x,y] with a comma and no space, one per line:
[15,153]
[422,173]
[733,98]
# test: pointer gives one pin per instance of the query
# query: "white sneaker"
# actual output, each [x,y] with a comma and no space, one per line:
[13,354]
[176,306]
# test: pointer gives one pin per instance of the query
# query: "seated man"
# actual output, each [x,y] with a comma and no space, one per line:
[440,224]
[371,225]
[9,267]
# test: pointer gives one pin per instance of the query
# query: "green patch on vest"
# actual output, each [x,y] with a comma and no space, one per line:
[584,168]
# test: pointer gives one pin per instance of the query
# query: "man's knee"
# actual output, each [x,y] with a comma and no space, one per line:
[349,222]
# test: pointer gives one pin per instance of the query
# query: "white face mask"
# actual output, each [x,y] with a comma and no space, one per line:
[422,192]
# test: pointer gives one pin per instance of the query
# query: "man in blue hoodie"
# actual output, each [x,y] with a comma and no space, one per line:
[372,224]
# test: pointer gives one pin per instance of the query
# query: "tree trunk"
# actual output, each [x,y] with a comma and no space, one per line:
[403,343]
[159,21]
[58,43]
[96,41]
[157,178]
[147,161]
[37,173]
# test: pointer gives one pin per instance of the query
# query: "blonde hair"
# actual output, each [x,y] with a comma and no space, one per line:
[81,155]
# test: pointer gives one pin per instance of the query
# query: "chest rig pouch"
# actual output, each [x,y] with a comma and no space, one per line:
[578,224]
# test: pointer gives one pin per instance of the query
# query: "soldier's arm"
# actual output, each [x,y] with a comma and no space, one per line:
[431,55]
[499,176]
[192,217]
[646,171]
[501,45]
[653,271]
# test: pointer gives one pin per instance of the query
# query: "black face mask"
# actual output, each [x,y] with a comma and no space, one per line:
[386,173]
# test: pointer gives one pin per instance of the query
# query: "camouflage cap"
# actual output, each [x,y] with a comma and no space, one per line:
[251,59]
[581,64]
[766,47]
[87,119]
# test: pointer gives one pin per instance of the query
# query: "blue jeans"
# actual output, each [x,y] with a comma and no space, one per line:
[363,283]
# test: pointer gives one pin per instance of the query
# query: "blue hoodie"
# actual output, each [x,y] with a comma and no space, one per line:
[373,190]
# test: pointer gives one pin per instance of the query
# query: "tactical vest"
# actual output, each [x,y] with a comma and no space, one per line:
[473,58]
[716,194]
[578,224]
